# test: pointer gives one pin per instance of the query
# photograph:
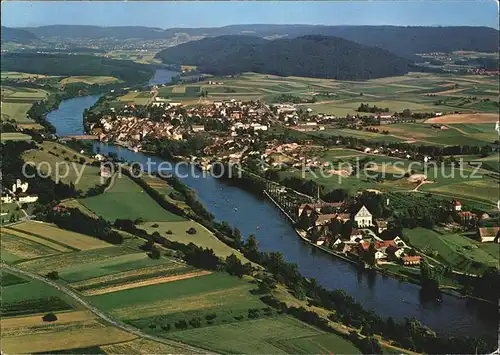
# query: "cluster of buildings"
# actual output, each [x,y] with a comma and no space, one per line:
[363,238]
[18,193]
[471,219]
[170,120]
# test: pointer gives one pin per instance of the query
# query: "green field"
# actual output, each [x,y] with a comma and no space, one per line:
[72,260]
[126,199]
[138,98]
[109,265]
[461,253]
[69,163]
[14,136]
[89,80]
[216,292]
[203,237]
[19,248]
[32,297]
[275,335]
[16,111]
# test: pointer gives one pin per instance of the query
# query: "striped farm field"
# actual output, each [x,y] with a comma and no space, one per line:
[23,248]
[127,276]
[64,339]
[147,282]
[204,294]
[144,346]
[31,321]
[51,232]
[108,265]
[466,118]
[72,261]
[43,241]
[203,237]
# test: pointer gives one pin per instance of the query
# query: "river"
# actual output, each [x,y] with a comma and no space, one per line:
[162,76]
[252,214]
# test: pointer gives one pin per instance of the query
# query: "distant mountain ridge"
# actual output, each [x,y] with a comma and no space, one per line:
[403,41]
[17,35]
[310,56]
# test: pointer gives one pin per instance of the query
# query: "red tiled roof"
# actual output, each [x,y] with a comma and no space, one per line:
[364,245]
[466,214]
[412,258]
[385,244]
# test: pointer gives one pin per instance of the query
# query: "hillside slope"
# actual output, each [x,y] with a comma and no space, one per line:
[403,41]
[311,56]
[17,35]
[63,64]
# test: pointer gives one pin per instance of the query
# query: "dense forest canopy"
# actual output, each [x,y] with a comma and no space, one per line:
[309,56]
[63,64]
[403,41]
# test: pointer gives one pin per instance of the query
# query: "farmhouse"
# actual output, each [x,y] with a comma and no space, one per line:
[411,260]
[198,128]
[325,218]
[488,234]
[355,234]
[381,225]
[456,205]
[363,218]
[318,206]
[25,198]
[7,199]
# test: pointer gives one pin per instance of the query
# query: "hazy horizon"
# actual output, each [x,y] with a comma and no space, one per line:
[219,14]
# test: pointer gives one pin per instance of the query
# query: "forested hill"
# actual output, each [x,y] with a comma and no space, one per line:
[63,64]
[309,56]
[402,41]
[17,35]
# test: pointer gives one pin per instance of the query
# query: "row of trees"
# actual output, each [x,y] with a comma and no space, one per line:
[409,334]
[74,220]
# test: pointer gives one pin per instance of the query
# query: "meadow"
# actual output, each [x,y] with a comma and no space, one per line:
[16,248]
[419,92]
[14,136]
[16,101]
[53,158]
[126,199]
[274,335]
[136,97]
[203,237]
[460,252]
[54,235]
[88,80]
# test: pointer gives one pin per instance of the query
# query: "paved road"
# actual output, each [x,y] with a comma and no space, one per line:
[98,313]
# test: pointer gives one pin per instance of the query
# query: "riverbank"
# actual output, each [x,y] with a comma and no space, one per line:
[246,211]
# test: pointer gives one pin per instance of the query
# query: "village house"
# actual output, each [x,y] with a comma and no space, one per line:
[318,206]
[456,205]
[325,219]
[198,128]
[363,218]
[25,198]
[409,260]
[379,255]
[355,235]
[466,217]
[381,225]
[105,171]
[7,198]
[395,251]
[488,234]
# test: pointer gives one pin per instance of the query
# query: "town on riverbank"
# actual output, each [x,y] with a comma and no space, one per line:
[347,214]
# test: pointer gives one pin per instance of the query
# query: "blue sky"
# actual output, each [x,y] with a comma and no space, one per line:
[215,14]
